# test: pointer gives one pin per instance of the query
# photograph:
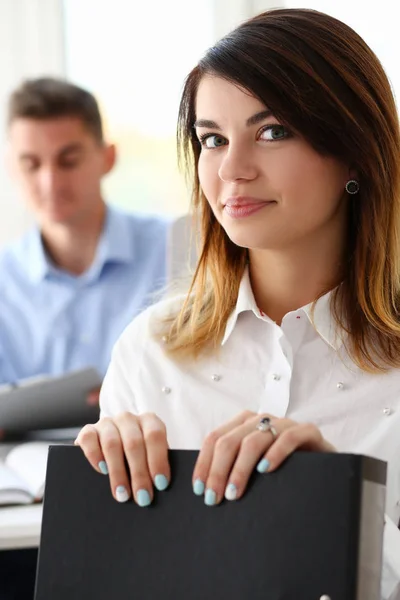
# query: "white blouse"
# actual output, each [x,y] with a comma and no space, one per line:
[297,370]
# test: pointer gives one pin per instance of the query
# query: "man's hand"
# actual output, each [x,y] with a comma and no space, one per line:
[93,397]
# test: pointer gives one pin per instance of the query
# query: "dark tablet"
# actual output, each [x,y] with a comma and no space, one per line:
[55,402]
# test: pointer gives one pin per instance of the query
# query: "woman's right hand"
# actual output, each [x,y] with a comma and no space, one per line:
[142,439]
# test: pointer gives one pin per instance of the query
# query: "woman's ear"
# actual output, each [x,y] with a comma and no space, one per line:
[353,174]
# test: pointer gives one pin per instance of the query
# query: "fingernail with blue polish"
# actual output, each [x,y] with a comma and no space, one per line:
[198,487]
[231,491]
[143,498]
[103,467]
[161,482]
[121,493]
[210,497]
[263,465]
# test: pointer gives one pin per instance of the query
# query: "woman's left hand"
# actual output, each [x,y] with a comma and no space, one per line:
[231,453]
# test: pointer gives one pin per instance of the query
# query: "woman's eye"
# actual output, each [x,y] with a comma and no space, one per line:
[212,141]
[273,133]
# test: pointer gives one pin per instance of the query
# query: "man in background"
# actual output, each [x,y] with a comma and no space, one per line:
[71,285]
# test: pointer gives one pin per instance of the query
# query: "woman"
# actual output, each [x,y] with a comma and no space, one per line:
[289,337]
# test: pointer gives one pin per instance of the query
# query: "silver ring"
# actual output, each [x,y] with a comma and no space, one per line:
[265,425]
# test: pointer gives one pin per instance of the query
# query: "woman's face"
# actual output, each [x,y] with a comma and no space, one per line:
[267,187]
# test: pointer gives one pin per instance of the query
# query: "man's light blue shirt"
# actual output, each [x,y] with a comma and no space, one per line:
[52,322]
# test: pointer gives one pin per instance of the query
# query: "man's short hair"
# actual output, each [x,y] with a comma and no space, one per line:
[48,98]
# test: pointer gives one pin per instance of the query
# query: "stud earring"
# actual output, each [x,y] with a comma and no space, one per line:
[352,186]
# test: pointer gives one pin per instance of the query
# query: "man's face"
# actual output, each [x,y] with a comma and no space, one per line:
[58,165]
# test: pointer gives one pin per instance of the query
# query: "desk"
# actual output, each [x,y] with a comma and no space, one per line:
[20,526]
[19,540]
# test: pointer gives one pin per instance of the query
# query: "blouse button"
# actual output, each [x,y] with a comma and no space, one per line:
[275,376]
[387,411]
[166,389]
[216,377]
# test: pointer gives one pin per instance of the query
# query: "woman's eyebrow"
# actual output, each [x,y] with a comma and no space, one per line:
[260,116]
[206,123]
[257,118]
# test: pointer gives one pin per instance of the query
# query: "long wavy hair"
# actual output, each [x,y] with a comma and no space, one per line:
[320,78]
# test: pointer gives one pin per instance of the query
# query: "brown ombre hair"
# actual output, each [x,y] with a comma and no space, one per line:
[319,78]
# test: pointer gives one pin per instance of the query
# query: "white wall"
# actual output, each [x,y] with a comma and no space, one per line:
[229,13]
[30,46]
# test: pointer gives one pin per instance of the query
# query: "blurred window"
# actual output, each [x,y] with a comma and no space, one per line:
[134,56]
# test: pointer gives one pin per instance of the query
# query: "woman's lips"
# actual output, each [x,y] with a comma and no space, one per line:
[244,207]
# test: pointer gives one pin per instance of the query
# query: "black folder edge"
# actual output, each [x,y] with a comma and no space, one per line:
[374,471]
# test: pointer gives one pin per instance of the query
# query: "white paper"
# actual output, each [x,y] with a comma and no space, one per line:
[13,490]
[29,462]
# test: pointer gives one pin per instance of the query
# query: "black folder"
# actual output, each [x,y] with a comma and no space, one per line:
[313,529]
